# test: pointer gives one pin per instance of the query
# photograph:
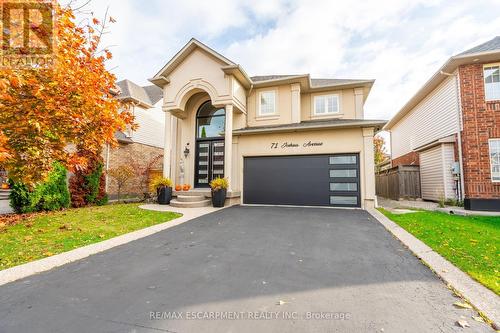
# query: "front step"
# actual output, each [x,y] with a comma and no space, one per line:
[190,204]
[4,194]
[190,198]
[194,192]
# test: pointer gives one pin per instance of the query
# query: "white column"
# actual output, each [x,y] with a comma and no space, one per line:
[295,103]
[167,149]
[370,200]
[228,144]
[358,101]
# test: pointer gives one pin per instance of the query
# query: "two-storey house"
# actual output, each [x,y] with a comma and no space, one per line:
[451,128]
[280,139]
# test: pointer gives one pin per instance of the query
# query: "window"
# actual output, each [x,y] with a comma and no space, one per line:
[210,121]
[326,104]
[343,173]
[495,159]
[351,187]
[267,104]
[341,200]
[347,159]
[492,82]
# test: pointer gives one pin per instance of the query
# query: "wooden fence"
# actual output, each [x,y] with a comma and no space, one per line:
[400,182]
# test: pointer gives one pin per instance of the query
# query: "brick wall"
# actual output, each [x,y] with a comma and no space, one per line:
[407,159]
[138,157]
[481,121]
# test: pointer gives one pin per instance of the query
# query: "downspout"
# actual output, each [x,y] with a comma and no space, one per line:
[249,93]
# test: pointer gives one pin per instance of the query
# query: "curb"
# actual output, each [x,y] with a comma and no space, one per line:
[45,264]
[483,299]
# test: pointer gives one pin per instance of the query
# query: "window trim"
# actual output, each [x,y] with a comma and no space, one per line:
[489,157]
[484,80]
[326,113]
[259,97]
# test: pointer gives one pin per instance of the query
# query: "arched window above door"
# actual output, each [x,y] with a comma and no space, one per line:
[210,121]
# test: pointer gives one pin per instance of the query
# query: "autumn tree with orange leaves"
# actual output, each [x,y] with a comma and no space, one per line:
[47,114]
[379,150]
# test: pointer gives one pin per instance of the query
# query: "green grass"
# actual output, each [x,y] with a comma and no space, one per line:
[48,234]
[469,242]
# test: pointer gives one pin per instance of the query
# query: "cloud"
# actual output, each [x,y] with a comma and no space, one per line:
[400,43]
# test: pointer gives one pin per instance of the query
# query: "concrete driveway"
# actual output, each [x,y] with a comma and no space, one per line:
[264,269]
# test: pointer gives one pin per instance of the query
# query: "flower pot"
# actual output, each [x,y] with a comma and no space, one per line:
[164,195]
[219,197]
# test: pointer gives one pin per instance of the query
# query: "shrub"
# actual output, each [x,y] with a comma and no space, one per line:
[53,194]
[121,174]
[219,184]
[159,182]
[88,187]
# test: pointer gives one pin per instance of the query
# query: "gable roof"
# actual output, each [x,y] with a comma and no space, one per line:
[147,96]
[193,43]
[483,53]
[231,68]
[491,45]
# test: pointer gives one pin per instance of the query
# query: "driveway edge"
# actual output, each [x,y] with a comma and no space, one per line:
[45,264]
[483,299]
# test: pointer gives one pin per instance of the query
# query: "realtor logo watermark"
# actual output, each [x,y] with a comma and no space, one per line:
[28,33]
[248,315]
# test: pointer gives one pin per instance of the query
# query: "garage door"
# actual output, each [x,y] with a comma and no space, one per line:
[309,180]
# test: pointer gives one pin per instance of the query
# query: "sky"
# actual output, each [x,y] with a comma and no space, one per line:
[399,43]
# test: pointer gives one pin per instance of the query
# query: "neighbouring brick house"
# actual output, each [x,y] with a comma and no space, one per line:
[451,128]
[140,149]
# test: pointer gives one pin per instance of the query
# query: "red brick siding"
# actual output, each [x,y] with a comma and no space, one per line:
[481,121]
[407,159]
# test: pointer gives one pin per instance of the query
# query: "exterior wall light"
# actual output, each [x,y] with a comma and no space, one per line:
[186,151]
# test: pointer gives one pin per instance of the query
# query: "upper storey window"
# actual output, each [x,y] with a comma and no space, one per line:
[326,105]
[267,103]
[492,82]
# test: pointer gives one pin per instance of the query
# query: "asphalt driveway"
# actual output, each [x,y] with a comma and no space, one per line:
[263,269]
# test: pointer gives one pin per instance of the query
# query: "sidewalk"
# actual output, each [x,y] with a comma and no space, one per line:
[429,205]
[5,207]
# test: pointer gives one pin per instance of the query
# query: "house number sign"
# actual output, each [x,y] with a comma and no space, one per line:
[284,145]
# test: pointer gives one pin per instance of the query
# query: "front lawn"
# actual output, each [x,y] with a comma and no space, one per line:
[46,234]
[469,242]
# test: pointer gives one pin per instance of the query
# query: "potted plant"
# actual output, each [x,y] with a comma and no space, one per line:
[163,188]
[219,191]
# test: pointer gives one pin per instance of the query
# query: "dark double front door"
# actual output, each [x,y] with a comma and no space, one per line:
[209,161]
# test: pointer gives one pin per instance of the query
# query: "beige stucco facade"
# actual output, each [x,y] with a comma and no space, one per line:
[198,74]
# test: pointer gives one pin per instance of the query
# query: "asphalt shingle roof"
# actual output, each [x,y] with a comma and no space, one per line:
[315,83]
[491,45]
[332,82]
[316,123]
[149,94]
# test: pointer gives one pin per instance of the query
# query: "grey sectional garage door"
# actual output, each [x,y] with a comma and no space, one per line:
[307,180]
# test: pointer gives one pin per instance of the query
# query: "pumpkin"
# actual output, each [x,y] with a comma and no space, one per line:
[5,186]
[178,187]
[185,187]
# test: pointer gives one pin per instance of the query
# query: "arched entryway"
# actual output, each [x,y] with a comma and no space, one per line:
[209,162]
